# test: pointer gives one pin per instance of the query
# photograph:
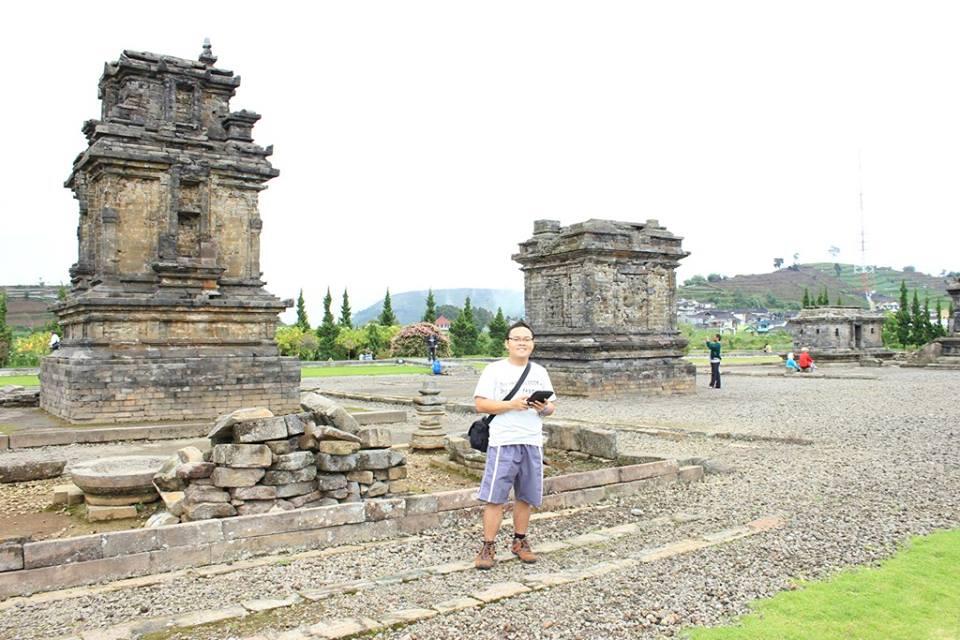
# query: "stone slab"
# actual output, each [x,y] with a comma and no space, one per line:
[48,553]
[648,470]
[499,591]
[457,604]
[343,628]
[99,513]
[32,470]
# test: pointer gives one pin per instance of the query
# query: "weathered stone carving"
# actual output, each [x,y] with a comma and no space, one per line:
[601,297]
[839,333]
[168,317]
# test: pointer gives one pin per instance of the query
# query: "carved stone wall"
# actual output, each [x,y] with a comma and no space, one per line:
[168,317]
[601,297]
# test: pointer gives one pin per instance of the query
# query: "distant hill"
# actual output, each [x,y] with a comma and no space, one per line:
[783,288]
[408,306]
[27,305]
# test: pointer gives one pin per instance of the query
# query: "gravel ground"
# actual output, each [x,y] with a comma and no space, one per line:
[885,464]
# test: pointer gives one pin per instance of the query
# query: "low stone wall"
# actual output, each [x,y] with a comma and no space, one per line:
[31,567]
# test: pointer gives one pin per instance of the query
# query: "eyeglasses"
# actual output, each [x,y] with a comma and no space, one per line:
[520,339]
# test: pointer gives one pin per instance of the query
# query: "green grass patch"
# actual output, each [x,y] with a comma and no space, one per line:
[914,595]
[23,381]
[363,370]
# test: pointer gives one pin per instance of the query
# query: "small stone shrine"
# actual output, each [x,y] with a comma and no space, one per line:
[839,333]
[601,297]
[944,353]
[430,412]
[168,318]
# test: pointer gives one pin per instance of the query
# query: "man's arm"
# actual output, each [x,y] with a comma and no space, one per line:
[496,407]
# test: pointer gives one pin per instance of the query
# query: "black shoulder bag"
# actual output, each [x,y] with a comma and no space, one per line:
[479,432]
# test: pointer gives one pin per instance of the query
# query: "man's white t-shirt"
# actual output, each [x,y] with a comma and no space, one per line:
[514,427]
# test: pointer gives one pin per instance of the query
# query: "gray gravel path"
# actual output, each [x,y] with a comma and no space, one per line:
[885,465]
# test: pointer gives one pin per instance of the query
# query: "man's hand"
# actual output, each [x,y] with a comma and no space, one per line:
[519,404]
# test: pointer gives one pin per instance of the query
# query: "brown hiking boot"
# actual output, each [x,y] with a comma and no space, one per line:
[486,558]
[521,549]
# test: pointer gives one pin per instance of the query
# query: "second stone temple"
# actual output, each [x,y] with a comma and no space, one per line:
[601,297]
[167,317]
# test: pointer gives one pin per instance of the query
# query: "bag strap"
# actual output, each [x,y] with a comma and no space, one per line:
[513,392]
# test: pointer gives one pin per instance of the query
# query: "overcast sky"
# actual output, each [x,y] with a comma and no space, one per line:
[418,141]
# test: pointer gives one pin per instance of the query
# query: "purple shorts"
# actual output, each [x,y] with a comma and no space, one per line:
[516,466]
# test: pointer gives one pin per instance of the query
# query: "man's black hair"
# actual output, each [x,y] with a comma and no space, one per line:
[518,324]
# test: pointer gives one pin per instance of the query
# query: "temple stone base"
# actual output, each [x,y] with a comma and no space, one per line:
[620,377]
[184,384]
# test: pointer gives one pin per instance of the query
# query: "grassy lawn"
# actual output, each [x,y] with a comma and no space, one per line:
[362,370]
[915,595]
[728,360]
[23,381]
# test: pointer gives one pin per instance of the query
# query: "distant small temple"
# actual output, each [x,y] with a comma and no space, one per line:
[839,333]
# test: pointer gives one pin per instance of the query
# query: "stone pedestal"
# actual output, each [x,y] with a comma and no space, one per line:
[168,318]
[430,413]
[601,297]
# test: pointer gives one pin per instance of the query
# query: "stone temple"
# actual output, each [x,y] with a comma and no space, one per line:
[168,318]
[601,297]
[839,333]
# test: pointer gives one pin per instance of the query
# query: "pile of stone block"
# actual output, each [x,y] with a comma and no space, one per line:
[261,463]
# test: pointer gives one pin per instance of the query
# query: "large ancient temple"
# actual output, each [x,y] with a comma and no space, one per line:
[168,318]
[601,296]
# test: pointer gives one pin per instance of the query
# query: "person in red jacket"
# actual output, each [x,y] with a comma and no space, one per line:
[805,361]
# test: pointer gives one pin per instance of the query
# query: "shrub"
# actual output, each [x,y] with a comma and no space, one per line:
[294,341]
[411,341]
[28,350]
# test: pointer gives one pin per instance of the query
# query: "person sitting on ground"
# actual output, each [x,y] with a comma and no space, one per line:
[792,365]
[805,361]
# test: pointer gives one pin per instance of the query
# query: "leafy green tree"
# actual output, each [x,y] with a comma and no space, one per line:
[327,331]
[345,319]
[302,321]
[450,311]
[498,333]
[463,332]
[387,317]
[62,293]
[484,343]
[294,341]
[929,333]
[430,313]
[806,299]
[903,317]
[917,332]
[350,341]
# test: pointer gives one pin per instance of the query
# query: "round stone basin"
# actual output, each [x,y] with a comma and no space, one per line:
[122,475]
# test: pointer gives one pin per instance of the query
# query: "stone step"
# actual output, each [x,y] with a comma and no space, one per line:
[523,583]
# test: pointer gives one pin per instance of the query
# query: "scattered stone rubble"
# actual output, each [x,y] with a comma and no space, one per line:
[261,463]
[587,441]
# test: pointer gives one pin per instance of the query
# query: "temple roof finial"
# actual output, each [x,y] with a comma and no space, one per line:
[207,57]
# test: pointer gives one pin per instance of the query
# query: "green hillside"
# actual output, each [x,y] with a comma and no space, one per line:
[408,306]
[783,288]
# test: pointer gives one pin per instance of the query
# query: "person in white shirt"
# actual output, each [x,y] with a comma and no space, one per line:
[515,453]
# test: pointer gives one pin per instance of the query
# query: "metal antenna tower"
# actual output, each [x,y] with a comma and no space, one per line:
[863,239]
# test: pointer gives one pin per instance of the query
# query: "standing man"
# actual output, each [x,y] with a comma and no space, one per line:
[515,454]
[714,348]
[432,347]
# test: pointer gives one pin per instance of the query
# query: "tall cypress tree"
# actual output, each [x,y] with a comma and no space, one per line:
[430,314]
[917,333]
[806,298]
[345,319]
[938,327]
[328,331]
[498,333]
[302,321]
[929,333]
[464,332]
[903,317]
[6,334]
[387,317]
